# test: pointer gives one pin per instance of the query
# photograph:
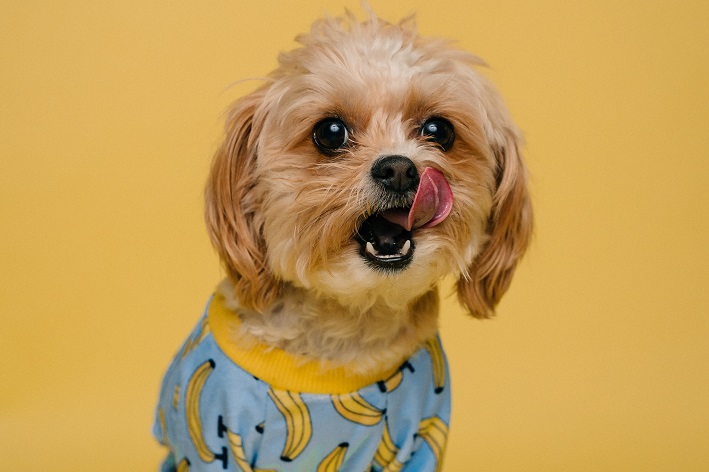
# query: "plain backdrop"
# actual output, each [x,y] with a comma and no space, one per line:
[598,359]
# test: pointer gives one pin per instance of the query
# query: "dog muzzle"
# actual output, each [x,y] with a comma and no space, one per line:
[386,238]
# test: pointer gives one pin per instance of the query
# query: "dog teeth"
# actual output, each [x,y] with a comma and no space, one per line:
[405,250]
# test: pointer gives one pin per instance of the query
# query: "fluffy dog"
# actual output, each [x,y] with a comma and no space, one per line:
[370,164]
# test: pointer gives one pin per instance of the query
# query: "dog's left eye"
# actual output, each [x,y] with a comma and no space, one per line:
[440,131]
[330,135]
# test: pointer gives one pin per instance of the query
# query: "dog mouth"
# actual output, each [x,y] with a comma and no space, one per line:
[386,237]
[384,244]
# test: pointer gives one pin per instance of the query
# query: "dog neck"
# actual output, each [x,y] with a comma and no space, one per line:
[320,328]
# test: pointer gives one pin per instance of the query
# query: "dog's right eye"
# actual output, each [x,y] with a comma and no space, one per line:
[330,134]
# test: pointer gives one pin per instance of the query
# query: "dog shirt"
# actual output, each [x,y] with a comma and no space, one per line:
[224,407]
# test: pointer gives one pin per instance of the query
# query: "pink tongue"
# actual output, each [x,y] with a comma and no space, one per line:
[432,203]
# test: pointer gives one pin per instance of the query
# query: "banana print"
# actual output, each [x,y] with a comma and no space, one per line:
[183,466]
[176,397]
[194,421]
[298,423]
[390,384]
[394,466]
[333,461]
[237,450]
[433,346]
[386,452]
[197,338]
[395,422]
[434,431]
[163,425]
[354,407]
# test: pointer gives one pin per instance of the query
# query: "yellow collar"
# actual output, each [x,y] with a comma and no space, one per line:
[280,369]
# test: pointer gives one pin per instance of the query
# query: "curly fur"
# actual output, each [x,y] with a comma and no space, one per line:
[283,216]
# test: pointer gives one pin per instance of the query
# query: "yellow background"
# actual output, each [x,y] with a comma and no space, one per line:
[110,111]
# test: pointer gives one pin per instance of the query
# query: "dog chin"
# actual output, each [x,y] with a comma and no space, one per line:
[358,282]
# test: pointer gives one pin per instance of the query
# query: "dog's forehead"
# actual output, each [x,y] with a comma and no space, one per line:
[365,72]
[362,55]
[370,73]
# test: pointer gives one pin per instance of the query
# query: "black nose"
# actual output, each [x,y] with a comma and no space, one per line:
[396,173]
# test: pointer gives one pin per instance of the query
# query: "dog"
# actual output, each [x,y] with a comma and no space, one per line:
[369,165]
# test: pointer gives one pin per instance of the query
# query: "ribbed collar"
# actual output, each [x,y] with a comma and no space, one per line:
[280,369]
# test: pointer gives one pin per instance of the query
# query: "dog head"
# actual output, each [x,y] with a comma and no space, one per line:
[370,164]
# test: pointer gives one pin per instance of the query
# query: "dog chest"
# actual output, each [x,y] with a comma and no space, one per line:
[215,415]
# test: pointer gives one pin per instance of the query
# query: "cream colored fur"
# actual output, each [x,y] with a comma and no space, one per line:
[283,216]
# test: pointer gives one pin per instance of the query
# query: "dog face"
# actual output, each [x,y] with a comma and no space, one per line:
[372,163]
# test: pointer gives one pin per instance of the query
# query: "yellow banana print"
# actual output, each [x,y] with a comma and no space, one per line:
[439,366]
[333,461]
[390,384]
[176,397]
[394,466]
[163,426]
[386,452]
[237,450]
[193,341]
[194,422]
[434,431]
[183,466]
[187,348]
[355,408]
[297,417]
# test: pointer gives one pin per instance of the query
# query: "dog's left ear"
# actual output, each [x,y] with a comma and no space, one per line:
[509,230]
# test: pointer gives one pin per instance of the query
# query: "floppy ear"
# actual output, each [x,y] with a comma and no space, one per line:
[232,209]
[509,228]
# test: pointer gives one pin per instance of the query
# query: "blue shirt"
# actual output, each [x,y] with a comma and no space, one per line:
[215,413]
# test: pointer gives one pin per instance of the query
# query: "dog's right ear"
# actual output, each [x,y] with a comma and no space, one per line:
[232,209]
